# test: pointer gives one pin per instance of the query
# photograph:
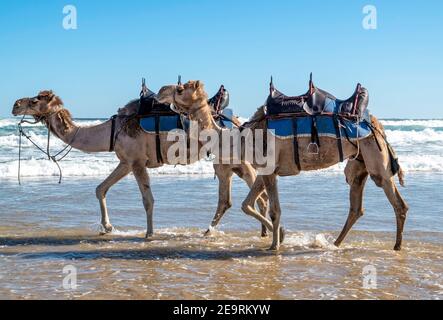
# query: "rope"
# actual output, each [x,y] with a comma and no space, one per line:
[358,142]
[46,152]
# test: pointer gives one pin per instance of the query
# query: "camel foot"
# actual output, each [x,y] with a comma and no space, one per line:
[149,235]
[397,247]
[274,248]
[106,229]
[337,243]
[209,231]
[264,232]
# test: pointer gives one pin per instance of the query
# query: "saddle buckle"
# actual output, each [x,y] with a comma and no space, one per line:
[313,148]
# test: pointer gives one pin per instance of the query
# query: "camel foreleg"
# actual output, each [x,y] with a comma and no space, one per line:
[142,177]
[119,173]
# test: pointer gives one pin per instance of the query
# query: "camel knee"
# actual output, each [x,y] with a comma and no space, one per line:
[246,207]
[226,205]
[356,214]
[275,213]
[100,192]
[356,180]
[378,180]
[263,203]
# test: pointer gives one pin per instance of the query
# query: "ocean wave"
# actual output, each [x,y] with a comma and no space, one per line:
[395,137]
[437,123]
[101,167]
[13,123]
[419,138]
[418,150]
[91,168]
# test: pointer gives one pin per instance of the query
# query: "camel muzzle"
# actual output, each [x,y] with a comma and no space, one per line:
[19,107]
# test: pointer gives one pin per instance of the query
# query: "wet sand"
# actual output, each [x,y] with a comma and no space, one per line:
[46,227]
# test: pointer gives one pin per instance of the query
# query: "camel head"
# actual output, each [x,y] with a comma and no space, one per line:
[186,98]
[44,104]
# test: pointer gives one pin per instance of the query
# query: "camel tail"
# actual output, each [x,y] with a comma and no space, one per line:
[401,177]
[395,166]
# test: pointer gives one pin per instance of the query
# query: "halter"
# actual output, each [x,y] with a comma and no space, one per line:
[63,153]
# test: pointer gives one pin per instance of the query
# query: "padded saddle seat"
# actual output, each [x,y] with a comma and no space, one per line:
[149,104]
[220,101]
[317,101]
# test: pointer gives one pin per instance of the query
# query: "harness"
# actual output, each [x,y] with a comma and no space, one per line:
[63,153]
[317,102]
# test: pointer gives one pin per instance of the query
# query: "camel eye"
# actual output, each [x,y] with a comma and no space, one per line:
[35,100]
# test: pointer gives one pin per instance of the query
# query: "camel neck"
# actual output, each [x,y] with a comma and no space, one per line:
[203,116]
[87,139]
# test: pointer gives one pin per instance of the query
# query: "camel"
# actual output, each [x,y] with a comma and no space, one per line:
[369,158]
[134,148]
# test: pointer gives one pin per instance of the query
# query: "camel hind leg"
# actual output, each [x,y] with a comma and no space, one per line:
[119,173]
[274,210]
[400,207]
[249,175]
[248,204]
[356,177]
[224,174]
[379,168]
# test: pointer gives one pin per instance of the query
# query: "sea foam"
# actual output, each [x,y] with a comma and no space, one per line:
[419,150]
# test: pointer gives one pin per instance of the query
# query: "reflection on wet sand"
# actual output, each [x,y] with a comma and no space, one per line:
[180,263]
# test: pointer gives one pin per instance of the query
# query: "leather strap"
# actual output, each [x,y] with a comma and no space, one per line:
[314,132]
[295,143]
[157,139]
[112,142]
[338,133]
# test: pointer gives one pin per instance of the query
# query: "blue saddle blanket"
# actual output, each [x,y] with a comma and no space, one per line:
[168,123]
[283,128]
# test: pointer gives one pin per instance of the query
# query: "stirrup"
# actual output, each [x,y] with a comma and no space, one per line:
[317,149]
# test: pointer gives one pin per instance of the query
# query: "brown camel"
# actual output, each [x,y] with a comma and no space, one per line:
[191,99]
[135,149]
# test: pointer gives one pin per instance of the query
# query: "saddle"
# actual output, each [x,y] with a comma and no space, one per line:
[316,102]
[160,116]
[149,105]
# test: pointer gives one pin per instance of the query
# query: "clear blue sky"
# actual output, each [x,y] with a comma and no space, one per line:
[98,67]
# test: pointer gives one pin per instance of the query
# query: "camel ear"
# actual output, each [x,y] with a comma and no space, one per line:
[56,101]
[197,84]
[46,94]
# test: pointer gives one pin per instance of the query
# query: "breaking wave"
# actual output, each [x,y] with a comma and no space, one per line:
[418,143]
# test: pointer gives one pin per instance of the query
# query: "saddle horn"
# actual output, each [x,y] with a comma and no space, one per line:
[271,85]
[144,87]
[311,84]
[179,82]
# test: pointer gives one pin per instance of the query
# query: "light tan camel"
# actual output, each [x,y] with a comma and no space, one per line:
[135,149]
[191,99]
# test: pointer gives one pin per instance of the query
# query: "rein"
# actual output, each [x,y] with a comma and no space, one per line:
[63,153]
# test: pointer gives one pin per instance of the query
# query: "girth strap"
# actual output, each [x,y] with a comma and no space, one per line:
[338,133]
[295,143]
[112,142]
[315,140]
[157,139]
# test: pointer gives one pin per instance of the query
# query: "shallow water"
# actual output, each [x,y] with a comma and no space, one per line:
[46,227]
